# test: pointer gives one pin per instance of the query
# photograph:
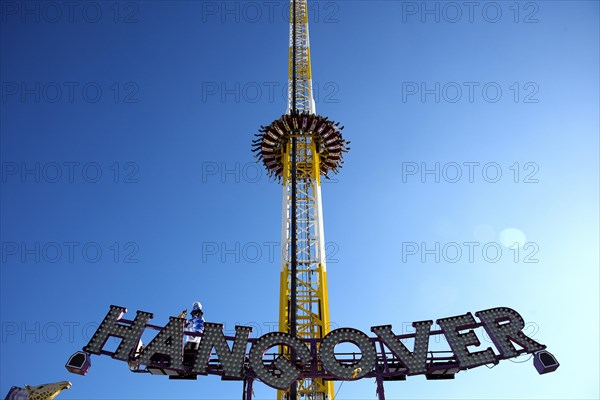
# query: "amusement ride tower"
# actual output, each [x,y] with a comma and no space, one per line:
[299,149]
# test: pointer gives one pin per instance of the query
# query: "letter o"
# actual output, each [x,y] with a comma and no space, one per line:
[344,371]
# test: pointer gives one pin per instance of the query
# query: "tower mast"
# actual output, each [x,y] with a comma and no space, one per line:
[300,148]
[304,305]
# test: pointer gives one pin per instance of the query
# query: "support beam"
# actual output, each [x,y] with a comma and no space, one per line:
[380,390]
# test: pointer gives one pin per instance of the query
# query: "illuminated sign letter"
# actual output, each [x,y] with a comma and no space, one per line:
[343,370]
[504,325]
[460,341]
[232,360]
[168,342]
[110,326]
[415,362]
[288,373]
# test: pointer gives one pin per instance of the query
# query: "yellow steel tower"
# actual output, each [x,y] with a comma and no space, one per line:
[299,148]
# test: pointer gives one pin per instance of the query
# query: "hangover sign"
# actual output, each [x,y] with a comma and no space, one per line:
[267,358]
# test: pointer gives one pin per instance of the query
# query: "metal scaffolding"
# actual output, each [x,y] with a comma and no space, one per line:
[304,306]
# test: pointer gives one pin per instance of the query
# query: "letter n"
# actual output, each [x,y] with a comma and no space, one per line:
[232,360]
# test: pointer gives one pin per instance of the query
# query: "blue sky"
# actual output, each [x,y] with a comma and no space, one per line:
[127,178]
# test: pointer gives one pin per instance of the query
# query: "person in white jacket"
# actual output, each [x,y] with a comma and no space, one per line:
[195,324]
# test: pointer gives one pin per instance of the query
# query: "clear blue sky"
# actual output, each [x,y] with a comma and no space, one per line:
[162,99]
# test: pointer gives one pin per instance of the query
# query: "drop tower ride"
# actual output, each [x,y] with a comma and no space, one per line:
[299,149]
